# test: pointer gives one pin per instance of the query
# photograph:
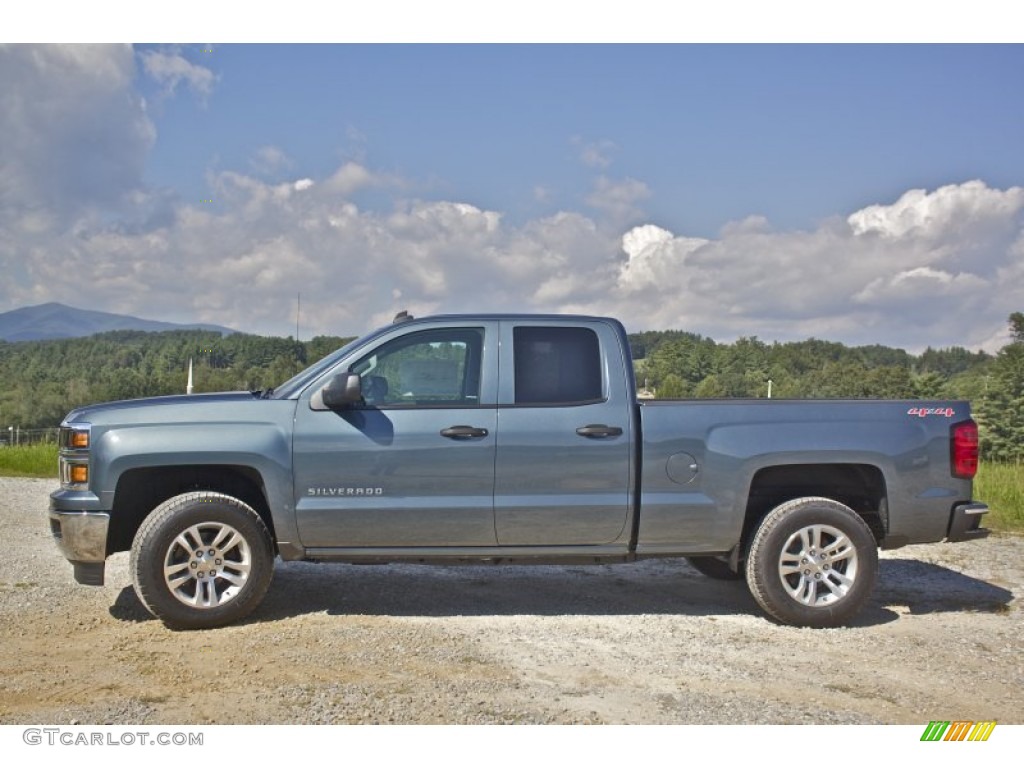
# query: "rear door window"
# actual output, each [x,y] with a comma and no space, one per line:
[557,366]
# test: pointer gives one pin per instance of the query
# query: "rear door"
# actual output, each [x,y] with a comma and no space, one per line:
[564,456]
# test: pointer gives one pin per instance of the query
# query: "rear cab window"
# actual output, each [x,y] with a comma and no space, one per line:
[557,365]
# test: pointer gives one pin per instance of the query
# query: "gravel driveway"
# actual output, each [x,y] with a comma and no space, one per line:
[653,642]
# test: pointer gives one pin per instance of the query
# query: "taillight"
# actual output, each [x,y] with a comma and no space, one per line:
[964,449]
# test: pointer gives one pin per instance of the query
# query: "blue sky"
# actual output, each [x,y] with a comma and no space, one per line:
[717,132]
[861,193]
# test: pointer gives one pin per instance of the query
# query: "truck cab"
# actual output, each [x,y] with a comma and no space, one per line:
[417,459]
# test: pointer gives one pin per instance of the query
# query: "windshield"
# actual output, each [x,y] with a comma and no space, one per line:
[301,380]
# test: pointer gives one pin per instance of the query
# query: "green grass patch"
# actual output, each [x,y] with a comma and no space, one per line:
[29,460]
[1001,486]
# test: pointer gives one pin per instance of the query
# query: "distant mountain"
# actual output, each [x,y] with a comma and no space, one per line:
[59,321]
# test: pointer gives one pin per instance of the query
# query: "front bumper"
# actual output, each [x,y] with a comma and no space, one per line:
[965,522]
[82,538]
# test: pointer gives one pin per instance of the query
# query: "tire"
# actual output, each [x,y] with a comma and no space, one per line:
[202,560]
[715,568]
[812,563]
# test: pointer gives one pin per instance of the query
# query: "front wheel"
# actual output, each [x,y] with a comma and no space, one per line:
[812,563]
[202,560]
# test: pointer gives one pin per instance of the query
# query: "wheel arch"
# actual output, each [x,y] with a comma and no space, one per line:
[139,491]
[861,487]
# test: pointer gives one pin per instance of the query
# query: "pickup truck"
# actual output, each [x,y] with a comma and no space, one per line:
[505,439]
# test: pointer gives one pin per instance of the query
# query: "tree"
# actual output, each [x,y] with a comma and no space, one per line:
[1017,327]
[1001,412]
[672,386]
[929,386]
[43,380]
[711,387]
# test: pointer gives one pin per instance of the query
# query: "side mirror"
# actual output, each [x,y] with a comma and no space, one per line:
[343,390]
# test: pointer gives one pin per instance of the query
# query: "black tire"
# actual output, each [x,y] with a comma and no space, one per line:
[715,568]
[219,578]
[812,563]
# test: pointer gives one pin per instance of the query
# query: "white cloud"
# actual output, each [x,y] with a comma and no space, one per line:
[243,266]
[77,224]
[656,257]
[270,161]
[954,209]
[169,68]
[595,154]
[348,179]
[920,282]
[619,200]
[937,268]
[75,136]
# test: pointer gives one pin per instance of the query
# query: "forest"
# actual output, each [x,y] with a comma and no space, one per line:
[43,380]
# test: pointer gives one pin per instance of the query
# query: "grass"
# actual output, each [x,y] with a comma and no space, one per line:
[1001,486]
[38,460]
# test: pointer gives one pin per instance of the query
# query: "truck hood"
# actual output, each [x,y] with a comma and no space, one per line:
[169,408]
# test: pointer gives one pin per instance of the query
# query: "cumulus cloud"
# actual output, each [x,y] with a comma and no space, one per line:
[348,179]
[939,268]
[919,284]
[243,266]
[77,224]
[75,136]
[955,209]
[655,257]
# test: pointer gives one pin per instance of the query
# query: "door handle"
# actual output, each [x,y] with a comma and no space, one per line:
[462,432]
[599,430]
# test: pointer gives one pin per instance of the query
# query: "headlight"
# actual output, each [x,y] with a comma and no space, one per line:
[74,474]
[75,437]
[74,456]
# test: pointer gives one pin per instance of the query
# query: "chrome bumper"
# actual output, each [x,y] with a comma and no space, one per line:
[82,538]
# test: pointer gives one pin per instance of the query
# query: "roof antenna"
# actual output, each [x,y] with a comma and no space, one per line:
[402,317]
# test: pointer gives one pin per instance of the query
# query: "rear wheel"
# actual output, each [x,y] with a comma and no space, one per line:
[202,560]
[812,563]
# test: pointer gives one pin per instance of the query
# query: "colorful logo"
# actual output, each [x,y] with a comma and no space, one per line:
[922,412]
[958,730]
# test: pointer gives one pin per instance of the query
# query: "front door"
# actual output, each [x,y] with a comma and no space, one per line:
[414,466]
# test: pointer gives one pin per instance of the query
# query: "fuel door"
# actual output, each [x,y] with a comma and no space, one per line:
[681,468]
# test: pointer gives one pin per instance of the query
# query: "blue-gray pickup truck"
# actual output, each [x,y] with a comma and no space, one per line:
[505,439]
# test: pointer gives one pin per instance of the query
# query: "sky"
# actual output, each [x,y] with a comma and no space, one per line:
[865,193]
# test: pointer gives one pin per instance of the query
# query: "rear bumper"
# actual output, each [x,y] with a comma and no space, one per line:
[82,538]
[965,522]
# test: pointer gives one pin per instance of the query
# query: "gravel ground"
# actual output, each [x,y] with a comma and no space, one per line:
[653,642]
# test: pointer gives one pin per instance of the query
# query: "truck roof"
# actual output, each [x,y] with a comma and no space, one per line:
[497,316]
